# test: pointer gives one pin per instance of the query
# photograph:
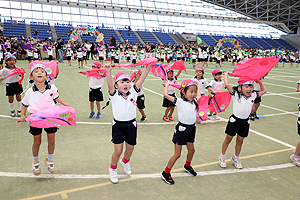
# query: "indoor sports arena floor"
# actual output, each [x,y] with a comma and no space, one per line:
[83,153]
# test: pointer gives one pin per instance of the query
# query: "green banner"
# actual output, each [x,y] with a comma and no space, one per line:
[199,41]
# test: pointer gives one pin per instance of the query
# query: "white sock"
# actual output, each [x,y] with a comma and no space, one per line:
[11,105]
[50,157]
[19,103]
[35,159]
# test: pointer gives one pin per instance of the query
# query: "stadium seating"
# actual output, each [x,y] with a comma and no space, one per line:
[208,39]
[249,42]
[285,44]
[147,37]
[262,43]
[42,29]
[107,33]
[165,38]
[14,29]
[131,38]
[63,31]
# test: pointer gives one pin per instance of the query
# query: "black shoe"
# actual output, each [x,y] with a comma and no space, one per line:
[251,117]
[190,170]
[143,118]
[255,116]
[167,178]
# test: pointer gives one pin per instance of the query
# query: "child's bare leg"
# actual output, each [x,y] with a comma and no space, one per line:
[172,110]
[297,152]
[167,111]
[98,106]
[117,153]
[226,143]
[36,145]
[92,106]
[191,150]
[128,151]
[238,145]
[175,157]
[142,112]
[51,142]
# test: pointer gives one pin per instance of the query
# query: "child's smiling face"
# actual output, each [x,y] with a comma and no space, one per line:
[38,75]
[170,74]
[11,62]
[123,86]
[199,74]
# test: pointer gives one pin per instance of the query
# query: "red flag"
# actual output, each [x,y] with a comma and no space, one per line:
[178,65]
[96,73]
[220,102]
[202,110]
[145,62]
[17,70]
[255,68]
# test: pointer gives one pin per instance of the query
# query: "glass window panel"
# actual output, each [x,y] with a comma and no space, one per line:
[153,17]
[67,17]
[5,12]
[108,13]
[101,20]
[158,5]
[85,19]
[93,19]
[124,14]
[5,4]
[65,9]
[93,12]
[101,12]
[76,18]
[140,22]
[151,4]
[133,22]
[37,7]
[26,6]
[110,21]
[46,8]
[74,10]
[115,1]
[26,14]
[132,15]
[117,14]
[56,9]
[47,15]
[166,18]
[125,22]
[139,16]
[57,16]
[14,4]
[84,11]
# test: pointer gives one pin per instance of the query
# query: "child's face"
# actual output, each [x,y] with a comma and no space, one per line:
[123,86]
[38,75]
[218,76]
[247,90]
[190,93]
[11,62]
[199,73]
[170,74]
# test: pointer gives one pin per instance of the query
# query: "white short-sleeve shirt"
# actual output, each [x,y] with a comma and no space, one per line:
[124,109]
[36,100]
[171,89]
[242,106]
[12,79]
[217,85]
[187,113]
[96,83]
[202,84]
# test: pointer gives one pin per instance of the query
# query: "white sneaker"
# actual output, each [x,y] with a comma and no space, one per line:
[126,166]
[113,175]
[222,161]
[50,166]
[216,117]
[236,161]
[36,169]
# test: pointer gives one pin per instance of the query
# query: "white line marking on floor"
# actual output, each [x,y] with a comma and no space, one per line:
[106,176]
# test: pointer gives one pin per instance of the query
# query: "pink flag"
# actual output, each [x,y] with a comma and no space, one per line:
[17,70]
[255,68]
[51,68]
[203,107]
[52,117]
[220,102]
[96,73]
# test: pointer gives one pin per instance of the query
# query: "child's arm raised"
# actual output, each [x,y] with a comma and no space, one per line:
[110,83]
[143,77]
[178,73]
[166,95]
[226,81]
[262,87]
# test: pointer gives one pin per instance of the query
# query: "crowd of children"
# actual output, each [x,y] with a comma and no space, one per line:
[126,93]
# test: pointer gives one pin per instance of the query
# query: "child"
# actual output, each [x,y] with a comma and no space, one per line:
[35,54]
[50,53]
[29,55]
[243,98]
[295,157]
[95,93]
[69,55]
[218,56]
[298,83]
[202,82]
[185,130]
[133,57]
[84,55]
[253,115]
[194,58]
[101,55]
[123,98]
[39,97]
[141,97]
[80,57]
[117,56]
[171,91]
[12,85]
[1,58]
[127,56]
[213,88]
[112,55]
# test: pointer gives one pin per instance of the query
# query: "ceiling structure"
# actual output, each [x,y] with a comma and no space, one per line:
[285,11]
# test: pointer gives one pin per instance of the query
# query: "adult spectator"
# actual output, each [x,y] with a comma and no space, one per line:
[88,47]
[112,41]
[59,47]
